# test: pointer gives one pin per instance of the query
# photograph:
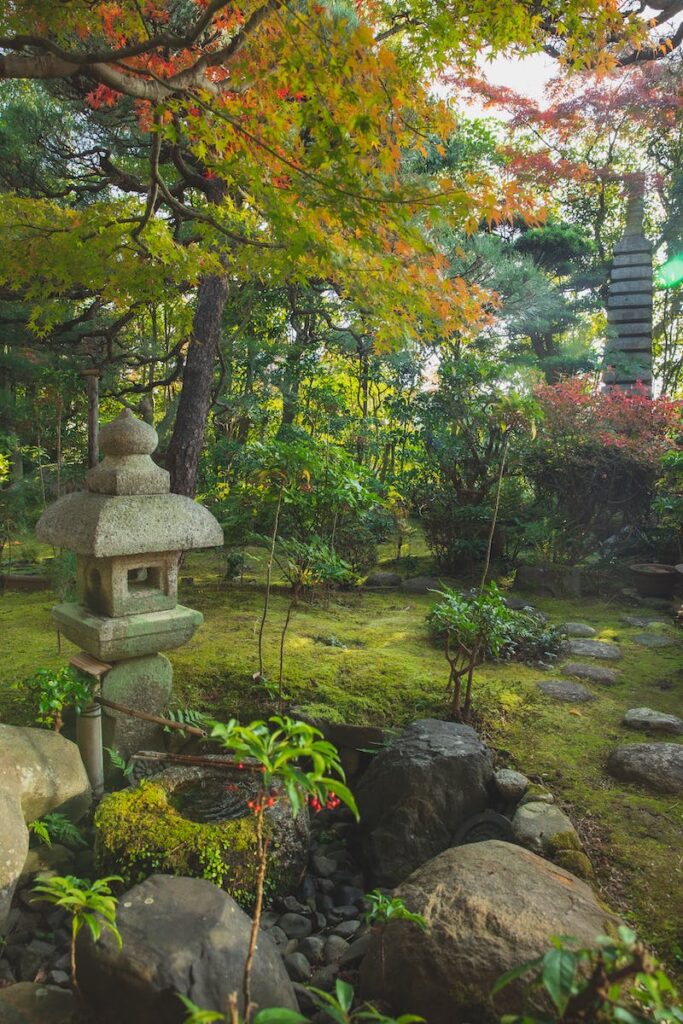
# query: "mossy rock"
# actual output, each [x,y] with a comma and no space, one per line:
[564,841]
[139,833]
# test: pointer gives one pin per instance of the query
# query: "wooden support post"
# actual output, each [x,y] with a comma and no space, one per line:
[92,378]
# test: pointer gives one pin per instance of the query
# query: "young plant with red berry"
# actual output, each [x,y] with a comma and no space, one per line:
[294,761]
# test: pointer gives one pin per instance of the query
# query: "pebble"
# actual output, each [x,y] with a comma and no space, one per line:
[295,926]
[269,919]
[335,947]
[356,951]
[323,865]
[278,937]
[312,948]
[347,929]
[510,784]
[297,967]
[291,904]
[325,978]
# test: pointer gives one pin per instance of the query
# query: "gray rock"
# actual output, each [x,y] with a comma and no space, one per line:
[417,792]
[33,957]
[595,673]
[487,908]
[602,649]
[312,948]
[28,1003]
[383,579]
[356,951]
[278,937]
[642,621]
[295,926]
[566,691]
[179,935]
[658,766]
[57,977]
[347,929]
[55,858]
[40,772]
[648,720]
[424,584]
[346,912]
[536,824]
[653,640]
[510,784]
[325,977]
[335,947]
[579,629]
[323,865]
[537,796]
[297,967]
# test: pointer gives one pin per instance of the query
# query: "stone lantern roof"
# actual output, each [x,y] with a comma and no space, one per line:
[127,508]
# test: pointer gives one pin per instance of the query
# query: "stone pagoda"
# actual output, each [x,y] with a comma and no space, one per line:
[128,532]
[628,352]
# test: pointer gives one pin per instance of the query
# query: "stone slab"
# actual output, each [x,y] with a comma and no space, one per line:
[131,637]
[623,300]
[632,243]
[642,621]
[595,673]
[638,273]
[579,629]
[627,287]
[631,259]
[658,766]
[617,316]
[602,649]
[649,720]
[565,691]
[630,343]
[653,640]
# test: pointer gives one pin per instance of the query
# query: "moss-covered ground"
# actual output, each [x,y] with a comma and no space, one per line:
[367,658]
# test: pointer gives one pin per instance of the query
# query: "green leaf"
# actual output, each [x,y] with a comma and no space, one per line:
[558,974]
[279,1015]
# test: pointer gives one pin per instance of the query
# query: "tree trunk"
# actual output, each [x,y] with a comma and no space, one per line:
[195,396]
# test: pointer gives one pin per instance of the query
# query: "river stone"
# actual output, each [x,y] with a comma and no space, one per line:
[566,691]
[417,793]
[653,640]
[488,908]
[383,579]
[579,629]
[656,765]
[595,673]
[510,784]
[45,772]
[29,1003]
[536,824]
[602,649]
[180,935]
[649,720]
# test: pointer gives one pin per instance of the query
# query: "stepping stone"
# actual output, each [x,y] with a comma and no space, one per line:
[596,673]
[642,621]
[602,649]
[578,629]
[535,825]
[566,691]
[653,640]
[658,766]
[648,720]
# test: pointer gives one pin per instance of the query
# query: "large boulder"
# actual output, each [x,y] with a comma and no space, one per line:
[488,907]
[656,765]
[40,772]
[649,720]
[180,935]
[417,793]
[13,851]
[45,771]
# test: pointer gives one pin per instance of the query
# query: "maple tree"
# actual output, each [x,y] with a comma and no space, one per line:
[270,145]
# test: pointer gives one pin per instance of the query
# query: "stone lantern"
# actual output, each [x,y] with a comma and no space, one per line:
[128,532]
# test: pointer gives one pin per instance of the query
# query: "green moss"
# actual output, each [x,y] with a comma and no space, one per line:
[575,861]
[391,673]
[536,794]
[564,841]
[140,833]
